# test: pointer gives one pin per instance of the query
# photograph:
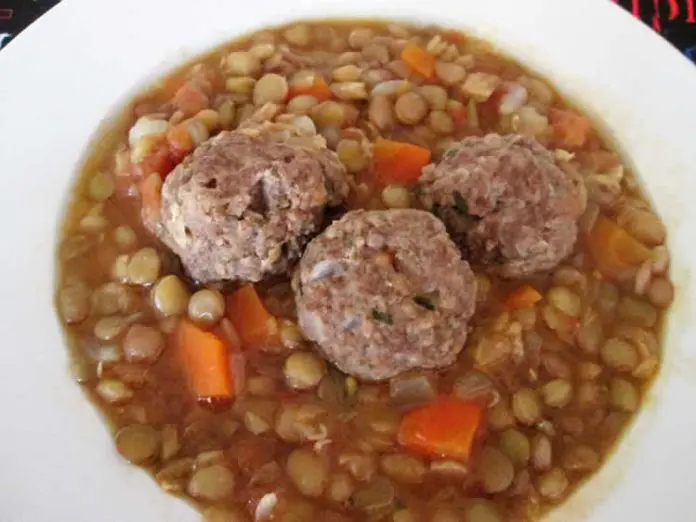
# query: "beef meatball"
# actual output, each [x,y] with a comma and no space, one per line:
[505,202]
[246,202]
[383,292]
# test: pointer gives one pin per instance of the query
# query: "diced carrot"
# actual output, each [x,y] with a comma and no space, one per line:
[255,326]
[447,427]
[521,297]
[159,160]
[319,89]
[418,59]
[206,360]
[190,100]
[151,198]
[614,250]
[570,129]
[180,141]
[399,162]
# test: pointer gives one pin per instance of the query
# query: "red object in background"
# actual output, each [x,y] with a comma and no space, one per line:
[6,14]
[669,10]
[673,14]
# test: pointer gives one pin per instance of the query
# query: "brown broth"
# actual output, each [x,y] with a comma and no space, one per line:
[362,422]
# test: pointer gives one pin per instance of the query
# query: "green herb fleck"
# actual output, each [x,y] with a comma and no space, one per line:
[450,153]
[382,317]
[424,301]
[460,205]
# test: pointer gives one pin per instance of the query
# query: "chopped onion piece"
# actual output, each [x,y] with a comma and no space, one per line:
[476,386]
[529,122]
[515,97]
[238,371]
[564,155]
[198,131]
[412,389]
[230,332]
[451,468]
[146,126]
[391,88]
[265,507]
[305,124]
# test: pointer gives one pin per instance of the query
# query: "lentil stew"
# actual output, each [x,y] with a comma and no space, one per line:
[362,271]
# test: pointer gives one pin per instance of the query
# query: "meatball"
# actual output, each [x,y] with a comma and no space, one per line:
[383,292]
[246,202]
[505,202]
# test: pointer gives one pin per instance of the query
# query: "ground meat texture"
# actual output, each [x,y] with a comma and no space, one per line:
[383,292]
[506,203]
[246,202]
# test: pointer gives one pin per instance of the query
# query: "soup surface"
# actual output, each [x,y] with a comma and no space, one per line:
[351,271]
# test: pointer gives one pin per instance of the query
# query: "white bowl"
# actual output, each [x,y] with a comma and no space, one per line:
[82,61]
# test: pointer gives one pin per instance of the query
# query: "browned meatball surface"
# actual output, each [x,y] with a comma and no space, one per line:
[506,203]
[383,292]
[245,203]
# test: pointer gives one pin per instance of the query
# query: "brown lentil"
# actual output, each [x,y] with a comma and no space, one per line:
[410,108]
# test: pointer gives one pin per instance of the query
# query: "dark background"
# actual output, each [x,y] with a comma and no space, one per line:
[674,19]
